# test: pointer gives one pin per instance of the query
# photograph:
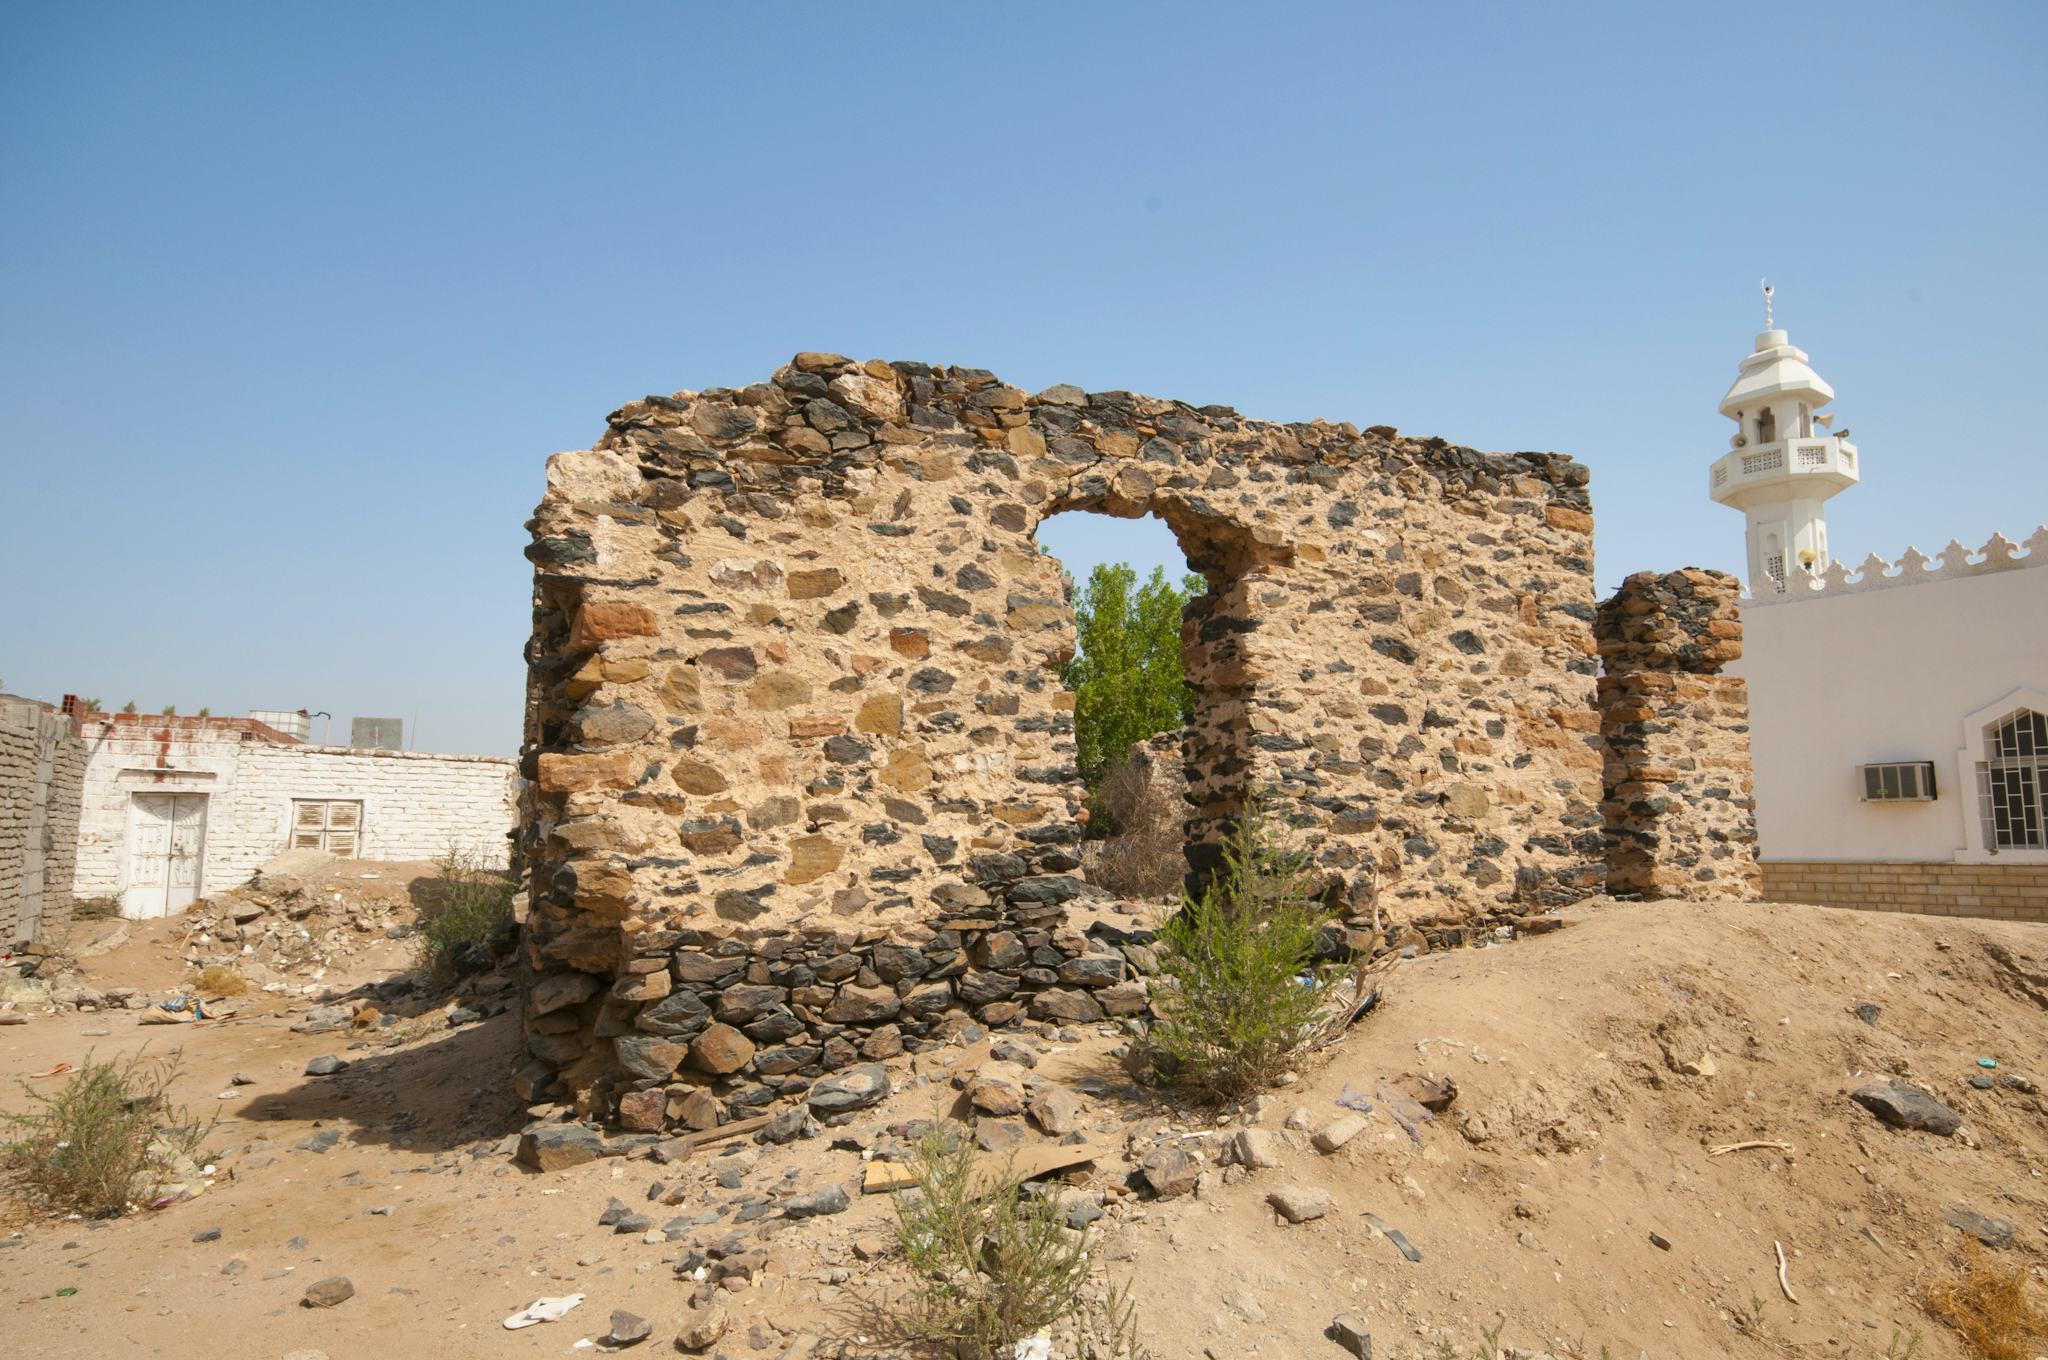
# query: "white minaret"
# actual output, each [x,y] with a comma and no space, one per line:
[1780,471]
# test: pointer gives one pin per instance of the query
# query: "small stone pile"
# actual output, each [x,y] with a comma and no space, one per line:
[280,925]
[1680,806]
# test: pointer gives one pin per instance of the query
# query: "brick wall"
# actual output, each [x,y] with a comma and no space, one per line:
[1680,807]
[416,805]
[2013,892]
[42,766]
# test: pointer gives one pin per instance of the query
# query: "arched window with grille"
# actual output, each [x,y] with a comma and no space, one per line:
[2012,780]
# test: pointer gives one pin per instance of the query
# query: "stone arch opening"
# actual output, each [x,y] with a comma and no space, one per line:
[795,724]
[1139,768]
[1218,758]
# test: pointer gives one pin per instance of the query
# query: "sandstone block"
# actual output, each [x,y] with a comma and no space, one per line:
[721,1049]
[778,690]
[700,777]
[577,774]
[812,585]
[881,715]
[598,622]
[642,1111]
[811,858]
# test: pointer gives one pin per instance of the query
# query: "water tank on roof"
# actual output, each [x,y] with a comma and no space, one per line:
[294,723]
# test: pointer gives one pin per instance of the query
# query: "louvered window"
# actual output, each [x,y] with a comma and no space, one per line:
[330,824]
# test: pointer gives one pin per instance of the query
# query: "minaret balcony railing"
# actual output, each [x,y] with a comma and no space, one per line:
[1826,459]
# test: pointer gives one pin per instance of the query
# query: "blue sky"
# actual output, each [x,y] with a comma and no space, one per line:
[295,300]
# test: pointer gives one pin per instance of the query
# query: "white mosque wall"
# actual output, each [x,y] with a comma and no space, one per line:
[1860,670]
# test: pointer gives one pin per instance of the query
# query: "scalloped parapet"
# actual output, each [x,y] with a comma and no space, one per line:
[1913,568]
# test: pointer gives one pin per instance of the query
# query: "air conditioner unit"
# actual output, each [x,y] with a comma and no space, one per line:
[1898,781]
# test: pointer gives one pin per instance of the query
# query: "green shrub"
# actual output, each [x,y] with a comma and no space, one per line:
[1239,1011]
[993,1262]
[104,1137]
[465,904]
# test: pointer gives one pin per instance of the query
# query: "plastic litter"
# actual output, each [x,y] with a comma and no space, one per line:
[542,1310]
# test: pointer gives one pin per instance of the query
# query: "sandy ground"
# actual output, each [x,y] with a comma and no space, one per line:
[1532,1199]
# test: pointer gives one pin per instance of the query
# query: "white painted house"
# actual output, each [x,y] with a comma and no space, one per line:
[1898,712]
[177,808]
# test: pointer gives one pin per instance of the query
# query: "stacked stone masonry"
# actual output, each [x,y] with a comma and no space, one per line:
[1680,806]
[2009,892]
[42,770]
[802,773]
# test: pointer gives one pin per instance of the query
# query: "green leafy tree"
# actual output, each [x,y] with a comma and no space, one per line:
[1126,675]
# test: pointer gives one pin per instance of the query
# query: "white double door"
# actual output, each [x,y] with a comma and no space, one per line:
[166,853]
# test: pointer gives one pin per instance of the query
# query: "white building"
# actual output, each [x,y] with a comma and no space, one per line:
[1898,712]
[174,809]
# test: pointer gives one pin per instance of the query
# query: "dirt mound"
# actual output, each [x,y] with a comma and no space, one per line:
[1573,1187]
[1570,1192]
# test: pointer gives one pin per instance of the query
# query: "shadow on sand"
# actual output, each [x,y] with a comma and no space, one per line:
[447,1092]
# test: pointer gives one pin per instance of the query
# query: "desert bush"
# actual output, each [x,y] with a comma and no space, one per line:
[466,904]
[1144,855]
[1246,994]
[94,1145]
[1987,1303]
[993,1263]
[217,980]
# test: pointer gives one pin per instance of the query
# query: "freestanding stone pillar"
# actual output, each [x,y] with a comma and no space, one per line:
[1680,805]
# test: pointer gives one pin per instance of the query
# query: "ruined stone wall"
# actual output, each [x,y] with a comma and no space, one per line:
[42,767]
[803,770]
[1680,805]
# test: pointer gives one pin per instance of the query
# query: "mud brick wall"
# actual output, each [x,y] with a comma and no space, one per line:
[42,769]
[1680,804]
[793,700]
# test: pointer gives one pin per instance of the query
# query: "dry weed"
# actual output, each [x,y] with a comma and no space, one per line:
[1987,1303]
[994,1263]
[1145,856]
[218,980]
[104,1137]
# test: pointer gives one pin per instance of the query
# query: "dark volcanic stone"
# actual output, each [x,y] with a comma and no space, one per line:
[1907,1107]
[832,1199]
